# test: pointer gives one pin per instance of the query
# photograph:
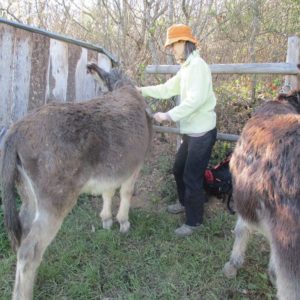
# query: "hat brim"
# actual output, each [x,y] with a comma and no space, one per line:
[171,41]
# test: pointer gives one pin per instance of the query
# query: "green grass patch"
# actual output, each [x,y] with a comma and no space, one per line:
[150,262]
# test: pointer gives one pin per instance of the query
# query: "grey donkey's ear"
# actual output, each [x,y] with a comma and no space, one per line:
[99,74]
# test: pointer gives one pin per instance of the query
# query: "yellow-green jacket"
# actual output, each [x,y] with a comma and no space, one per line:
[193,82]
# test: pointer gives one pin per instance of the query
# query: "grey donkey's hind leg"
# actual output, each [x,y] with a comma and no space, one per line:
[28,207]
[27,214]
[242,235]
[30,253]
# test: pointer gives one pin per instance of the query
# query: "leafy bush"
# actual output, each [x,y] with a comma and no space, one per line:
[220,151]
[235,104]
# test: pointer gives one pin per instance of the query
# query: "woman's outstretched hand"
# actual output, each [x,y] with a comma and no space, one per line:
[160,117]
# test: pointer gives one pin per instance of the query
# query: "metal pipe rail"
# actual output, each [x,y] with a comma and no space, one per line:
[255,68]
[220,136]
[61,38]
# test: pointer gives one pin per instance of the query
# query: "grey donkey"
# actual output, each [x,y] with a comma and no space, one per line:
[61,150]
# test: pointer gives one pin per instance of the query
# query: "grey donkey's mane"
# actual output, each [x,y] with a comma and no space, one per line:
[114,79]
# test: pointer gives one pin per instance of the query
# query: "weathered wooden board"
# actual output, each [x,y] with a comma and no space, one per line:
[36,69]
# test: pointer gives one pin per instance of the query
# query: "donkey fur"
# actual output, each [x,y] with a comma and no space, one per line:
[60,151]
[265,168]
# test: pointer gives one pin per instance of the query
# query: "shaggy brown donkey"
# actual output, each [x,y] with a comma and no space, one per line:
[62,150]
[265,168]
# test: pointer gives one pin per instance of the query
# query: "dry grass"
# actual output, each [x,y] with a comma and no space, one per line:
[87,262]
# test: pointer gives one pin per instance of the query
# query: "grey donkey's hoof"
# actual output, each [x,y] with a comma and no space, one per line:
[229,270]
[107,224]
[124,226]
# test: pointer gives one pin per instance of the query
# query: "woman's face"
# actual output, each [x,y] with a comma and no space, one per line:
[177,50]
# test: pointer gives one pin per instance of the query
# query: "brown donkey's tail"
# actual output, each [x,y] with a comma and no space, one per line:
[9,194]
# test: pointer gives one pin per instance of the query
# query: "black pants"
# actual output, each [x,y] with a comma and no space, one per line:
[190,163]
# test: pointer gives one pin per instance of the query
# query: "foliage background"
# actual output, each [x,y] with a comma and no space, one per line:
[86,262]
[229,31]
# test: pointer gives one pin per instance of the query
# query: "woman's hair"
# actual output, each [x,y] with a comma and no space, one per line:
[189,47]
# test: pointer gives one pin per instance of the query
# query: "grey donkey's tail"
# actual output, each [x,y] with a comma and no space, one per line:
[9,194]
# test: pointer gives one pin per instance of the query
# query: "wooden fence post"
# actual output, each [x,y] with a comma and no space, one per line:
[293,56]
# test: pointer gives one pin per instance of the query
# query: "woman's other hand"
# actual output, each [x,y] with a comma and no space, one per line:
[160,117]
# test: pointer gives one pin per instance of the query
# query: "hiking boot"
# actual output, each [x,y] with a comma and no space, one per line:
[185,230]
[175,208]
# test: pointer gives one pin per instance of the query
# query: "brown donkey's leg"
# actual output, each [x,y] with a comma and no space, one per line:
[242,235]
[272,267]
[285,251]
[287,282]
[29,256]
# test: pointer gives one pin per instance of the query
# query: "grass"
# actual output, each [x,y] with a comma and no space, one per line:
[87,262]
[150,262]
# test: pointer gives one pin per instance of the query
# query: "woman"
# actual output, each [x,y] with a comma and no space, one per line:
[197,120]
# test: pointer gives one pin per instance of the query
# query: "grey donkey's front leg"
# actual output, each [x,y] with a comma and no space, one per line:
[242,235]
[106,214]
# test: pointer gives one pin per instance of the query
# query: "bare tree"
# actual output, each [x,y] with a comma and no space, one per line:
[255,26]
[229,31]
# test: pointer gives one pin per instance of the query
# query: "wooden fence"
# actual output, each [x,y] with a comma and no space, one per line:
[289,68]
[37,67]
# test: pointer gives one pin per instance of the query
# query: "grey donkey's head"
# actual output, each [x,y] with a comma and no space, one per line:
[112,80]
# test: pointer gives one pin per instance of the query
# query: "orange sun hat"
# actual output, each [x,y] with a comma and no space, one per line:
[179,32]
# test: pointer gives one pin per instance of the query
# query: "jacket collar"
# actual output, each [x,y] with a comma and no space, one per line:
[194,54]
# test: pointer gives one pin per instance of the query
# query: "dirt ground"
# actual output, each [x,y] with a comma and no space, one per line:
[157,172]
[152,177]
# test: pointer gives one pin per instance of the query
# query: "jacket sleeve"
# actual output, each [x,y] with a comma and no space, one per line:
[196,87]
[163,91]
